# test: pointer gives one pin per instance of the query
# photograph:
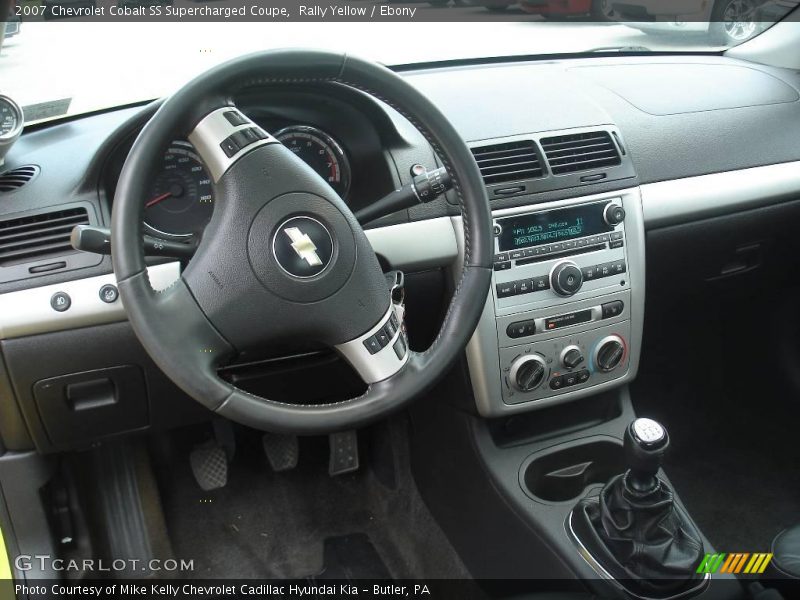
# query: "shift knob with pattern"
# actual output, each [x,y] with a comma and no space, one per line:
[645,444]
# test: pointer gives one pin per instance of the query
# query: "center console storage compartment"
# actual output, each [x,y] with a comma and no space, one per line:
[564,473]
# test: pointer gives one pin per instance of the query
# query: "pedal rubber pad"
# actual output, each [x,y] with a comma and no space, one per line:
[344,452]
[281,450]
[209,466]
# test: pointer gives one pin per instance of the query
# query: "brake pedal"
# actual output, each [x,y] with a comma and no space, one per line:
[209,466]
[344,453]
[281,450]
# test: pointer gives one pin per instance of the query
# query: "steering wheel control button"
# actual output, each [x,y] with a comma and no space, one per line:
[60,301]
[383,337]
[520,329]
[303,247]
[566,278]
[109,293]
[235,118]
[612,309]
[390,328]
[400,347]
[229,146]
[372,344]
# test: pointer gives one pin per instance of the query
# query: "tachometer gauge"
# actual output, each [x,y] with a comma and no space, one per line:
[11,121]
[181,199]
[321,152]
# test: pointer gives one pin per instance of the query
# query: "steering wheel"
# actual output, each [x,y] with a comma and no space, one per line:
[283,259]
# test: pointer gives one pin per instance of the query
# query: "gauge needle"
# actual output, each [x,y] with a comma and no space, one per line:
[158,199]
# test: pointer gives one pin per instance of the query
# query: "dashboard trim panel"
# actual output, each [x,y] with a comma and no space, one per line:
[28,312]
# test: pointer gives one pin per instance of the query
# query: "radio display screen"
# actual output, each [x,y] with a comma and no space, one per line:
[551,226]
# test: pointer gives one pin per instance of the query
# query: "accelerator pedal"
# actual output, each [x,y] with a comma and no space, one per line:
[281,450]
[344,452]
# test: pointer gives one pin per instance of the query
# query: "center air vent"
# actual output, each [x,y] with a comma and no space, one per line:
[580,152]
[30,238]
[510,161]
[16,178]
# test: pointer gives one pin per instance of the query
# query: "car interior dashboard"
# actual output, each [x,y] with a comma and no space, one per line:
[610,187]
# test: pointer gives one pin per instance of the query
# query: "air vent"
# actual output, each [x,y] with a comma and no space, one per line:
[34,237]
[16,178]
[580,152]
[510,161]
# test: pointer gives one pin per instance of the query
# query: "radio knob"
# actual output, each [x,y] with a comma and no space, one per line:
[566,278]
[613,214]
[571,357]
[527,372]
[609,353]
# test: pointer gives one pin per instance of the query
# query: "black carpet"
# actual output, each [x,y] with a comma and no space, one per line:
[734,454]
[304,523]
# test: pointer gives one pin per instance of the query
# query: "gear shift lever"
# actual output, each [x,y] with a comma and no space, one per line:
[634,528]
[646,442]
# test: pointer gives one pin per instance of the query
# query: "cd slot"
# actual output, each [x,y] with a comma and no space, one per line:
[562,254]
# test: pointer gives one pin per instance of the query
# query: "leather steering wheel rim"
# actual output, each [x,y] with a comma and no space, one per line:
[186,330]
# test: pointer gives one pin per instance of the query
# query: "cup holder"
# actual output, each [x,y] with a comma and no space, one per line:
[564,472]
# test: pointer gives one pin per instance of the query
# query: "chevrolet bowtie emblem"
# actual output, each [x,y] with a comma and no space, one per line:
[304,246]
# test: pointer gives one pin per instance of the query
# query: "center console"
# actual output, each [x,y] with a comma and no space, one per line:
[564,317]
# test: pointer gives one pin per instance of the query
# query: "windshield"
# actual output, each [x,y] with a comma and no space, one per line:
[56,66]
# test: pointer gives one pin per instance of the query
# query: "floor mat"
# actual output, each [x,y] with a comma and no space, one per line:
[734,455]
[352,557]
[304,523]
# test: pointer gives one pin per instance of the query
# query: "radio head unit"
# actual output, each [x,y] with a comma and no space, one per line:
[559,225]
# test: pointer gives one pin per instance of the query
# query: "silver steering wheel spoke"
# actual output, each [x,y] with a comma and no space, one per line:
[380,352]
[224,136]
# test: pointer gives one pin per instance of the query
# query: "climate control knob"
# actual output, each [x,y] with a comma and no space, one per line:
[571,357]
[609,354]
[527,372]
[566,278]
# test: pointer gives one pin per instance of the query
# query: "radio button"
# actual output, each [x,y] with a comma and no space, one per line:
[524,286]
[568,245]
[516,254]
[502,257]
[589,273]
[616,235]
[617,267]
[502,266]
[530,252]
[507,289]
[521,329]
[583,243]
[612,309]
[605,237]
[540,283]
[566,278]
[616,244]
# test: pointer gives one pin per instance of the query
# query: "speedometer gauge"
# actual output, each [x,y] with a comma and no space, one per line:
[321,152]
[181,198]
